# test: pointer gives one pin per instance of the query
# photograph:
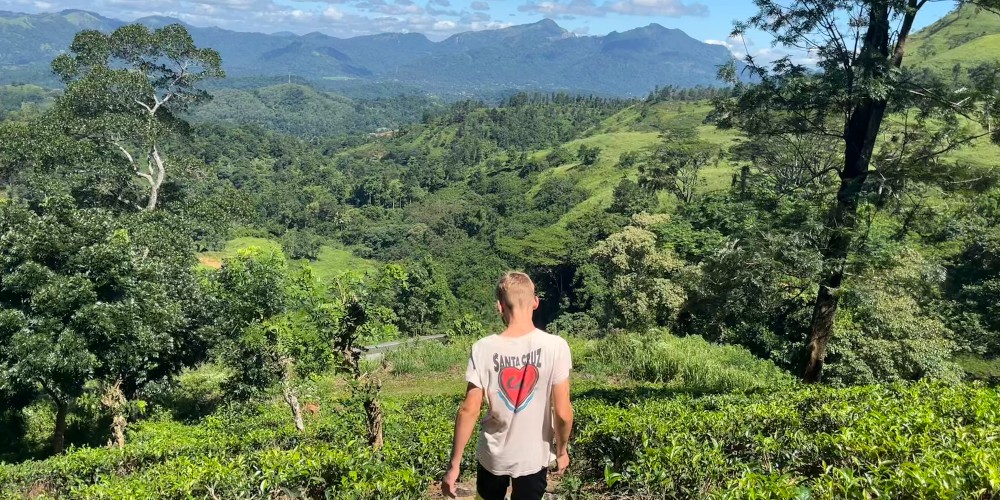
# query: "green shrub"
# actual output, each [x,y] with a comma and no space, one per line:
[885,336]
[577,324]
[688,362]
[193,394]
[466,326]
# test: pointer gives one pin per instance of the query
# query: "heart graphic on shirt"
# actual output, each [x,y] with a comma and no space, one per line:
[517,385]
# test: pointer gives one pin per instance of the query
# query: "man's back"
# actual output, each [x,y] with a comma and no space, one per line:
[524,375]
[517,375]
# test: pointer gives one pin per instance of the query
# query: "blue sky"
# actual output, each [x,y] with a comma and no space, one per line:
[707,20]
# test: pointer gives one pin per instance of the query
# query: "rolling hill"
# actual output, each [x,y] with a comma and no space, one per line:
[540,56]
[968,36]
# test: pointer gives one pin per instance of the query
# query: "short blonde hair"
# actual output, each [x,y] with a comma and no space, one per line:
[515,289]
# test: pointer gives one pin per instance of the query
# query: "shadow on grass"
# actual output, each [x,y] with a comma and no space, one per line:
[635,394]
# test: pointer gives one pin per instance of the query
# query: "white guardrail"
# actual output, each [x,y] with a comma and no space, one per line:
[378,350]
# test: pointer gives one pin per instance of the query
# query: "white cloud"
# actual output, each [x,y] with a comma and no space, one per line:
[740,46]
[669,8]
[342,18]
[333,14]
[588,8]
[560,9]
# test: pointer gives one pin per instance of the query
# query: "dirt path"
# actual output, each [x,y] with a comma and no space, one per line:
[467,489]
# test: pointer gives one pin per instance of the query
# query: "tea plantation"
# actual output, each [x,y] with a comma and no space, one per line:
[662,432]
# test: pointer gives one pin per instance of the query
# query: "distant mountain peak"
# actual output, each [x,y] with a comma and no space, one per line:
[66,12]
[84,19]
[549,23]
[160,21]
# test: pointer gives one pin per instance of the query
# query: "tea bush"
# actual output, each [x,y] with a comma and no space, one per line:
[898,441]
[767,439]
[245,452]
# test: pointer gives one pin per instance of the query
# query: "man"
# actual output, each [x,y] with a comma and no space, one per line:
[524,373]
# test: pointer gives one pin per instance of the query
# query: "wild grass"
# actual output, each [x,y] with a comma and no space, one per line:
[334,260]
[691,363]
[430,357]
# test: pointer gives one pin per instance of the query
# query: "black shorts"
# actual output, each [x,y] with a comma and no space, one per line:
[493,487]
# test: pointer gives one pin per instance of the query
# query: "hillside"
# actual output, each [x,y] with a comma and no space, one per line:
[305,111]
[968,36]
[540,56]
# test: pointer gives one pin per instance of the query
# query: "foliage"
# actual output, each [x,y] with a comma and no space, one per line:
[305,111]
[973,288]
[577,324]
[676,169]
[301,244]
[588,155]
[630,198]
[22,101]
[253,452]
[883,336]
[642,290]
[86,298]
[193,394]
[860,47]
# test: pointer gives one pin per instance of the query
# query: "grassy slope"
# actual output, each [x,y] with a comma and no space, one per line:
[629,131]
[623,132]
[331,262]
[968,36]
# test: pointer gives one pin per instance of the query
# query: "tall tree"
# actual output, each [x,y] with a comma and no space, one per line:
[859,47]
[127,90]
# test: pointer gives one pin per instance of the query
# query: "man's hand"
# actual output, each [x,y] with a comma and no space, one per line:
[448,488]
[562,462]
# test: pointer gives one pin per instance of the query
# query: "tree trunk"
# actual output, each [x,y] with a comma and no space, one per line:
[156,174]
[118,424]
[59,435]
[860,133]
[288,389]
[373,412]
[114,400]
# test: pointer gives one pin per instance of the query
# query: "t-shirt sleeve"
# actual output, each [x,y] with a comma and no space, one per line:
[563,363]
[471,372]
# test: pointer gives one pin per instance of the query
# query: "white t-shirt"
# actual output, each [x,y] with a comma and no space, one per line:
[517,375]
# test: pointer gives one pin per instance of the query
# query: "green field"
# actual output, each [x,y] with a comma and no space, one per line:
[332,261]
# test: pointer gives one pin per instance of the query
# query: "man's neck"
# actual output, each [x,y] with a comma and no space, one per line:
[519,326]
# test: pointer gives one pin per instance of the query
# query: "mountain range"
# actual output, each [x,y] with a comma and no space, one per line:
[540,56]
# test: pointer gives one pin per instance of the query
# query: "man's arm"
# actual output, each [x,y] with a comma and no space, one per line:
[564,422]
[465,423]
